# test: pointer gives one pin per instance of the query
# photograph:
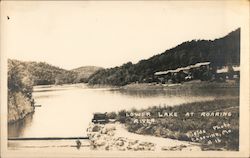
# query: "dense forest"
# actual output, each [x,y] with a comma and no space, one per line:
[220,52]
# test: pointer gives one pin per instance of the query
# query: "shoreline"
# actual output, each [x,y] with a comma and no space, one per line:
[195,84]
[186,85]
[115,137]
[21,118]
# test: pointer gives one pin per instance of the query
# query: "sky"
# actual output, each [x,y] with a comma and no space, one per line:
[108,33]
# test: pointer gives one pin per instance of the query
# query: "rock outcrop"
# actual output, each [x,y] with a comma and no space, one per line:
[103,137]
[115,137]
[18,107]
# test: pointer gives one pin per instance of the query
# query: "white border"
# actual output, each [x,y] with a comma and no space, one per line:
[244,115]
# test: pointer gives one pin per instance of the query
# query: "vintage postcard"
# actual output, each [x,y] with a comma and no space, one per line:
[125,78]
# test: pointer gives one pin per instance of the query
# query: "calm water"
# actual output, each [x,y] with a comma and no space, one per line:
[67,110]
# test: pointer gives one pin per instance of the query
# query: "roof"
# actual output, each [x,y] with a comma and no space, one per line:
[225,69]
[236,68]
[222,70]
[182,68]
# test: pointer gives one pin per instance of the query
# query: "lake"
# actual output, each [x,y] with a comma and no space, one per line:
[67,110]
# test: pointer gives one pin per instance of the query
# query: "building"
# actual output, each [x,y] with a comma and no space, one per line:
[228,73]
[181,74]
[201,71]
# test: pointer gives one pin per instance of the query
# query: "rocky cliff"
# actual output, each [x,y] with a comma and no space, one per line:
[20,101]
[18,106]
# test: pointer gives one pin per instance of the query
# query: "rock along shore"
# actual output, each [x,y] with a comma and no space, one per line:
[115,137]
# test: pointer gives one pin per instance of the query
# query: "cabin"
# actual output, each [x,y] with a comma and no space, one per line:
[228,73]
[100,118]
[181,74]
[201,71]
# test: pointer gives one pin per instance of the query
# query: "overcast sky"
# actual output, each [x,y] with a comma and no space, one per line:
[108,33]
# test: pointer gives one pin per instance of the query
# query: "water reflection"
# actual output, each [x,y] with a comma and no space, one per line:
[219,93]
[17,129]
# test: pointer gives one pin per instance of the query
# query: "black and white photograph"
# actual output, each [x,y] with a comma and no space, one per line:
[124,78]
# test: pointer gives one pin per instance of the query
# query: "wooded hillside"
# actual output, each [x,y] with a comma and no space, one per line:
[220,52]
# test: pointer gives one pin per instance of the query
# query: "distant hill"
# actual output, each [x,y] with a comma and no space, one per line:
[42,73]
[220,52]
[84,72]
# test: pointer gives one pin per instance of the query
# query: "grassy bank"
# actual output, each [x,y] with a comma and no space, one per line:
[196,84]
[214,124]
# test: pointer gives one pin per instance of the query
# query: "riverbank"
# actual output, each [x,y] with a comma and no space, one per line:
[214,124]
[115,137]
[195,84]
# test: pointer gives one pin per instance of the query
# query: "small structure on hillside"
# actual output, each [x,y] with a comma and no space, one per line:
[181,74]
[202,71]
[228,72]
